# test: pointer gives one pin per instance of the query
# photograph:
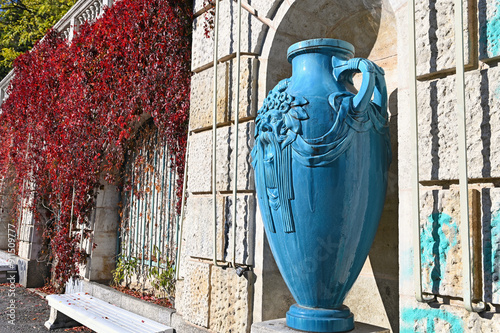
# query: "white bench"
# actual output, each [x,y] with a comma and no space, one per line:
[6,265]
[8,271]
[97,315]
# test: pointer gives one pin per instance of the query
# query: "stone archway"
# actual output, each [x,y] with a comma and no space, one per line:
[371,27]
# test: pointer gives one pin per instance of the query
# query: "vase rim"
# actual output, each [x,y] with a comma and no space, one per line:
[313,45]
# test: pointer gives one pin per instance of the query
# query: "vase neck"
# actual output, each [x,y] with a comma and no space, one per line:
[313,68]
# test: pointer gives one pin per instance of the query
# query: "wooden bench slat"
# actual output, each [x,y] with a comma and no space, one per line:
[101,316]
[100,309]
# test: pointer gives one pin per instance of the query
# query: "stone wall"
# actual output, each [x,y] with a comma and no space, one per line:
[441,245]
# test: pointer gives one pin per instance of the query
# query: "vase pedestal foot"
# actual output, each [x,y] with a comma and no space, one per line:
[320,320]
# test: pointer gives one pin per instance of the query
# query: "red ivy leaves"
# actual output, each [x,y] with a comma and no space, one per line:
[209,20]
[72,108]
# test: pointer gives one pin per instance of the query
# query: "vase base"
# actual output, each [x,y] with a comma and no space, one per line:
[320,320]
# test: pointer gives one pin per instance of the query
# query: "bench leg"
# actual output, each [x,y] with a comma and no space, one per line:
[59,320]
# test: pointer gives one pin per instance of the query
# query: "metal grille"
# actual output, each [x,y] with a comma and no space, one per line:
[149,221]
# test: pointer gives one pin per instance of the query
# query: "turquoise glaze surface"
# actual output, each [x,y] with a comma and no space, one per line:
[321,157]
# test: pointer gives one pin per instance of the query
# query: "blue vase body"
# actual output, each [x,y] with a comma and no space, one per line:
[321,159]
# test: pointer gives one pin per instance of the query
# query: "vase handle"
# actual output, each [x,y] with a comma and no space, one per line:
[373,83]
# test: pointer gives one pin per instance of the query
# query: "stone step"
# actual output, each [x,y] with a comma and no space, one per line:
[279,326]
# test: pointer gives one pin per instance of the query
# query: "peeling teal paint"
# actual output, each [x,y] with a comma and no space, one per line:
[435,246]
[407,264]
[491,254]
[490,33]
[428,318]
[497,93]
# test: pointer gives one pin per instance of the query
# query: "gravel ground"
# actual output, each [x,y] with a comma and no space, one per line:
[29,313]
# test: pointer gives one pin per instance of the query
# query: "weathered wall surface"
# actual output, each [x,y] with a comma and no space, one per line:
[441,245]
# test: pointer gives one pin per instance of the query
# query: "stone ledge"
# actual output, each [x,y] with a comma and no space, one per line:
[278,325]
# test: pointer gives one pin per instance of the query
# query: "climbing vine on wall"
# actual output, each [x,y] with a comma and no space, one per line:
[208,17]
[73,108]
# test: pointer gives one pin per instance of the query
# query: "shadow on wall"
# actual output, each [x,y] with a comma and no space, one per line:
[491,248]
[384,252]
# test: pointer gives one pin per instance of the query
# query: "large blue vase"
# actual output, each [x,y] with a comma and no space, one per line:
[321,157]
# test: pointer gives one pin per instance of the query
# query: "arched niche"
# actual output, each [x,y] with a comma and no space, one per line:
[371,26]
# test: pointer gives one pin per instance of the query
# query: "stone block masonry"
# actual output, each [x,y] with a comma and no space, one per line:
[252,32]
[230,301]
[452,318]
[435,35]
[198,236]
[438,126]
[202,91]
[105,221]
[6,210]
[215,298]
[441,248]
[440,223]
[194,302]
[245,229]
[491,244]
[210,296]
[200,159]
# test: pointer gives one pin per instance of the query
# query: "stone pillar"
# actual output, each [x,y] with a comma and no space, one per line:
[6,212]
[31,262]
[29,236]
[441,246]
[105,222]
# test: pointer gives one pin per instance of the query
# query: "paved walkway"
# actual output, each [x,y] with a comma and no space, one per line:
[24,311]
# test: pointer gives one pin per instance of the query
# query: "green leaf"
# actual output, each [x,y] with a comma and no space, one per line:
[23,23]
